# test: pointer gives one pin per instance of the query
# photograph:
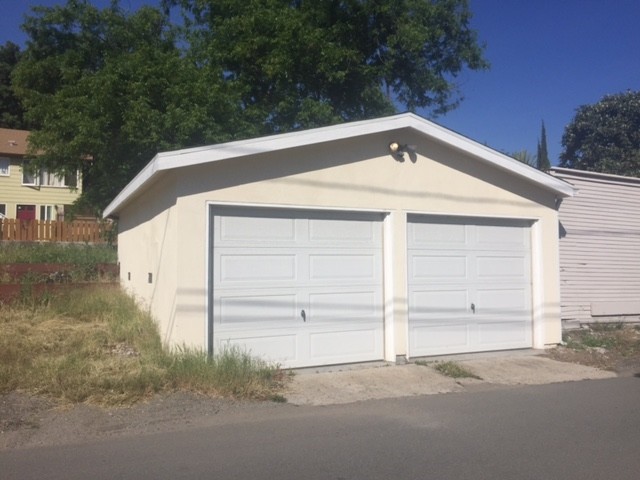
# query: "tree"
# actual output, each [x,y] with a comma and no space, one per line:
[308,63]
[106,90]
[542,157]
[605,137]
[11,111]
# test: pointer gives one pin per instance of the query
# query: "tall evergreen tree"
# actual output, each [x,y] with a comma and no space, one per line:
[542,158]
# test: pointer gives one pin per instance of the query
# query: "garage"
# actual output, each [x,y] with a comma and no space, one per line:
[381,239]
[469,285]
[297,287]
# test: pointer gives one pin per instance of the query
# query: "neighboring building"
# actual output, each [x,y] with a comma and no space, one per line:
[599,248]
[386,239]
[23,195]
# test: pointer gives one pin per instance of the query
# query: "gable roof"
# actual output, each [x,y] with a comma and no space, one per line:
[235,150]
[13,142]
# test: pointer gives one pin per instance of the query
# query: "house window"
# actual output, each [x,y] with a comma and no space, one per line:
[3,210]
[47,212]
[71,180]
[5,165]
[28,177]
[48,179]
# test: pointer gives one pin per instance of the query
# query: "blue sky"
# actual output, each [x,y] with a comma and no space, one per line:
[547,57]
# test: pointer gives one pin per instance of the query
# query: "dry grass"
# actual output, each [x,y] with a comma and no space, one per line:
[98,347]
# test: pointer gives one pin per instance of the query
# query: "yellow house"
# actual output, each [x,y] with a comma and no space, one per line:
[41,196]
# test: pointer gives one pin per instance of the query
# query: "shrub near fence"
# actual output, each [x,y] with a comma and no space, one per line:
[80,231]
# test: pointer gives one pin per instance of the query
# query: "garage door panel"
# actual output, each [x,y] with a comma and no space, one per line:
[352,345]
[257,268]
[343,267]
[335,232]
[257,308]
[439,339]
[500,335]
[501,237]
[502,300]
[282,349]
[436,234]
[497,268]
[438,267]
[439,303]
[247,229]
[339,306]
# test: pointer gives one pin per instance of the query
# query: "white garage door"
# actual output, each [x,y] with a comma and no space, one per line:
[469,285]
[297,287]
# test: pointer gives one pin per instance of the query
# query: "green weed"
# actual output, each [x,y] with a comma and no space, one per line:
[606,326]
[454,370]
[598,341]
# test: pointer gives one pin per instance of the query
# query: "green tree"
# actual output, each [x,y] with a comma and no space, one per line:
[605,137]
[11,111]
[542,157]
[108,90]
[309,63]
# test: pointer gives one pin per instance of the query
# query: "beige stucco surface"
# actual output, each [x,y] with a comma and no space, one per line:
[165,230]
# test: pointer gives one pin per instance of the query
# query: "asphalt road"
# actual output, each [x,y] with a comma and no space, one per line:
[577,430]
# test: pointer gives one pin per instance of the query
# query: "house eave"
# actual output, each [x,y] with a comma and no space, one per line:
[232,150]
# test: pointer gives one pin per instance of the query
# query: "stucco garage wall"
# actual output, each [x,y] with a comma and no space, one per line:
[359,174]
[147,244]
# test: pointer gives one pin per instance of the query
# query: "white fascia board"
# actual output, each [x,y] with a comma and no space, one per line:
[132,187]
[596,176]
[225,151]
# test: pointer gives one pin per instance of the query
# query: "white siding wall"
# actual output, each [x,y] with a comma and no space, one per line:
[599,248]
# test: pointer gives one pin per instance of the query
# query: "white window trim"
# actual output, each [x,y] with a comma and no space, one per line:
[52,210]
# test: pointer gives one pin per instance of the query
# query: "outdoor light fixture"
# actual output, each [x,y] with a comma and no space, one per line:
[397,149]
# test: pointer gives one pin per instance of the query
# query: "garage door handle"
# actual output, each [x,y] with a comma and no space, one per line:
[473,307]
[303,315]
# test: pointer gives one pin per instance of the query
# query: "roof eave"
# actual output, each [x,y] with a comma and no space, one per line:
[200,155]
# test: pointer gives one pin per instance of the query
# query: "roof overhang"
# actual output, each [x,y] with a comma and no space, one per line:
[235,150]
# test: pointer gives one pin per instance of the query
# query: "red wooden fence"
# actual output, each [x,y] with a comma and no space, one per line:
[81,231]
